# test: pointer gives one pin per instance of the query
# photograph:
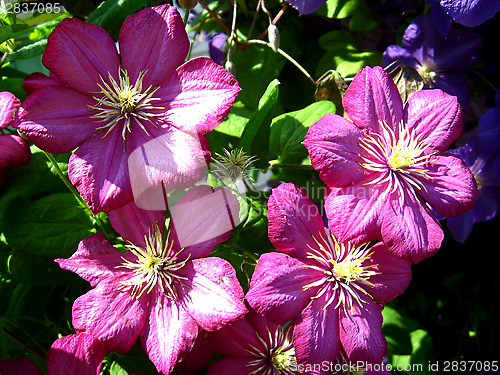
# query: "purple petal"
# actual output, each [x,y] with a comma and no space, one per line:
[316,332]
[14,151]
[111,315]
[8,104]
[199,357]
[333,143]
[18,366]
[461,226]
[294,221]
[95,260]
[37,80]
[212,294]
[153,41]
[451,188]
[234,366]
[56,118]
[198,96]
[168,335]
[361,333]
[400,54]
[471,12]
[306,6]
[81,55]
[373,97]
[276,290]
[80,354]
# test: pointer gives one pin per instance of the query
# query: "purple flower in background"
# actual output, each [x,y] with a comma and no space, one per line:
[216,47]
[482,164]
[465,12]
[306,6]
[441,61]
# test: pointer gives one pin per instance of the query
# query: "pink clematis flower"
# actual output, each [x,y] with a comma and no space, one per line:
[329,288]
[109,104]
[164,288]
[14,150]
[387,166]
[254,345]
[19,366]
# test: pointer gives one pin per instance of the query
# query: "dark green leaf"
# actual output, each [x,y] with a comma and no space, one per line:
[111,13]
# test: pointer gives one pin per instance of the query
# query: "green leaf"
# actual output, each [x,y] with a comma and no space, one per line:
[255,137]
[111,13]
[51,226]
[289,130]
[236,120]
[362,17]
[396,332]
[29,51]
[13,31]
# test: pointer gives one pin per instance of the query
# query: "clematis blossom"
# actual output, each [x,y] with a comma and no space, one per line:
[14,150]
[164,288]
[107,105]
[387,166]
[306,6]
[330,289]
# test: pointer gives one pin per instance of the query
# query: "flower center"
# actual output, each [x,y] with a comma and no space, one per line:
[348,270]
[156,265]
[403,155]
[428,74]
[124,103]
[283,360]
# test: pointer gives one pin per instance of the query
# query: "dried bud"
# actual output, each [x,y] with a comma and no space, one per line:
[229,66]
[188,4]
[274,37]
[331,86]
[407,79]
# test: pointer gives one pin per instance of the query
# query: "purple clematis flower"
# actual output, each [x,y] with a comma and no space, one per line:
[254,345]
[466,12]
[19,366]
[388,165]
[14,150]
[441,61]
[164,288]
[329,288]
[109,104]
[305,6]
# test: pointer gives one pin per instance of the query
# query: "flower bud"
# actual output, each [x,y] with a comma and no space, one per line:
[274,37]
[188,4]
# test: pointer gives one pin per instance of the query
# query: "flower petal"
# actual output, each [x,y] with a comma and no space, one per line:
[361,333]
[373,97]
[81,54]
[111,315]
[333,143]
[451,188]
[234,366]
[56,118]
[153,41]
[294,221]
[37,80]
[8,105]
[211,293]
[436,117]
[14,151]
[80,354]
[276,290]
[198,96]
[316,332]
[19,366]
[168,335]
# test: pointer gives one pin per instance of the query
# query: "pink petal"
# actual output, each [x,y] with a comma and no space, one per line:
[394,274]
[198,96]
[333,143]
[56,118]
[211,294]
[372,97]
[353,212]
[200,355]
[94,260]
[111,315]
[204,217]
[436,117]
[37,80]
[276,287]
[18,366]
[410,230]
[294,221]
[316,332]
[81,55]
[154,41]
[451,188]
[168,335]
[234,366]
[169,159]
[14,151]
[361,333]
[8,105]
[80,354]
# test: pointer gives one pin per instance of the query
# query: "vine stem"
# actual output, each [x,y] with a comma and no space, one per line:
[286,56]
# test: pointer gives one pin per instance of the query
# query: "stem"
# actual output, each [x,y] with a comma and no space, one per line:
[186,16]
[290,166]
[287,56]
[217,18]
[21,343]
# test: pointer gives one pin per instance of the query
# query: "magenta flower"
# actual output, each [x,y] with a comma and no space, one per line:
[14,150]
[108,104]
[329,287]
[18,366]
[387,166]
[162,289]
[254,345]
